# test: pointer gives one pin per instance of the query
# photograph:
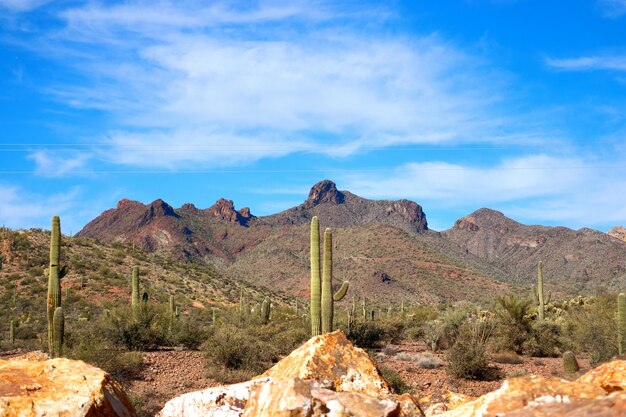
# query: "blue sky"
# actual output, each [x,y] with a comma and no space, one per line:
[515,105]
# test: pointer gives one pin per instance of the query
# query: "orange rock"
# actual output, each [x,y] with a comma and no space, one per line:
[298,398]
[529,391]
[331,357]
[613,405]
[610,376]
[59,387]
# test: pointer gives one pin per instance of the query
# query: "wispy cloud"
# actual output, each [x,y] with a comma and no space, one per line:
[588,63]
[21,209]
[613,8]
[202,75]
[539,188]
[22,5]
[57,164]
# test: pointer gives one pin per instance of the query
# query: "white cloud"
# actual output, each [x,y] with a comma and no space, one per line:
[21,209]
[58,163]
[536,188]
[197,75]
[605,62]
[455,184]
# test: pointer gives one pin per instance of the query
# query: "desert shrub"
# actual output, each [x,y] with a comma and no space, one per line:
[427,361]
[367,335]
[147,332]
[514,323]
[236,354]
[544,340]
[467,357]
[433,332]
[395,381]
[404,356]
[507,357]
[592,328]
[390,350]
[517,373]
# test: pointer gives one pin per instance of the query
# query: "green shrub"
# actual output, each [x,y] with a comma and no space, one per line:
[395,381]
[544,340]
[367,335]
[514,323]
[467,357]
[592,328]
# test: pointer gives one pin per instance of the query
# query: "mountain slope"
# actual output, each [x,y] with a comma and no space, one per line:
[575,260]
[383,247]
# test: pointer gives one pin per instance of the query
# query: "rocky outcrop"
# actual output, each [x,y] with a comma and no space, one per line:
[325,376]
[555,397]
[32,387]
[225,210]
[324,192]
[618,232]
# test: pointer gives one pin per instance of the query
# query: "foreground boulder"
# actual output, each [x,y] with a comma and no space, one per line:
[327,376]
[33,386]
[535,396]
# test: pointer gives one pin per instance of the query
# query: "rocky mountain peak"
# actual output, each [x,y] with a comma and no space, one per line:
[224,209]
[618,232]
[125,202]
[159,208]
[324,192]
[410,211]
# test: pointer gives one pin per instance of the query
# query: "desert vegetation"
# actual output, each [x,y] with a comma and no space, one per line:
[107,304]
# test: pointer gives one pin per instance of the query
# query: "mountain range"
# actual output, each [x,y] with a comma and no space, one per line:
[383,247]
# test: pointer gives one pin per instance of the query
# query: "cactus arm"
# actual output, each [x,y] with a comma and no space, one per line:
[265,310]
[54,277]
[316,323]
[341,292]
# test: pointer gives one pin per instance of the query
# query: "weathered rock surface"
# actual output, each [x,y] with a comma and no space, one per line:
[539,397]
[618,232]
[609,376]
[334,359]
[327,376]
[224,401]
[298,398]
[32,387]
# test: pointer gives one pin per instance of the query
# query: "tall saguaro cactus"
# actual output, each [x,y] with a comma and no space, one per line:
[55,273]
[134,303]
[621,323]
[58,333]
[541,308]
[265,310]
[12,332]
[322,298]
[316,292]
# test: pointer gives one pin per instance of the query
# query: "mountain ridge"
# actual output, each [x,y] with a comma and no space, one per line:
[492,250]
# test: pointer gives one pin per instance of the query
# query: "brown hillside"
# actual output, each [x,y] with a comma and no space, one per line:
[574,260]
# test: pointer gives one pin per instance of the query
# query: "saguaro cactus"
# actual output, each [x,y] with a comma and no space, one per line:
[621,323]
[316,292]
[12,332]
[55,273]
[541,307]
[322,298]
[58,332]
[134,303]
[265,310]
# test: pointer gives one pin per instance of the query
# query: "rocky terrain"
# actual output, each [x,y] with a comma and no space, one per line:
[325,376]
[383,247]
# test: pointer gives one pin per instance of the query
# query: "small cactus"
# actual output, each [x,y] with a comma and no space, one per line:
[570,364]
[265,310]
[134,303]
[621,323]
[12,332]
[58,332]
